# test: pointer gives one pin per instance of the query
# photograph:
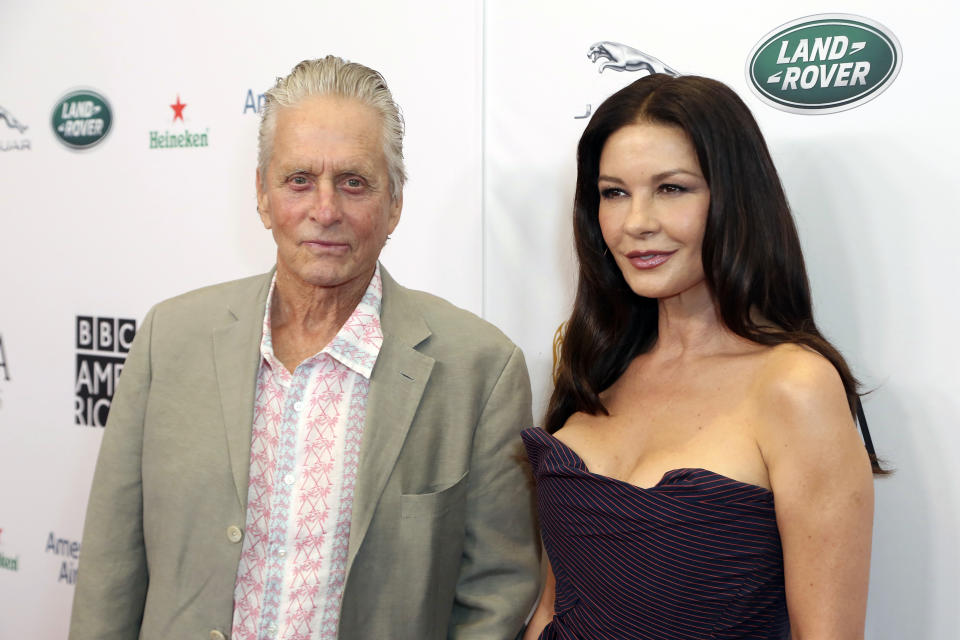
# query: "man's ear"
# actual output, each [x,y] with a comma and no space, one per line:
[263,203]
[396,206]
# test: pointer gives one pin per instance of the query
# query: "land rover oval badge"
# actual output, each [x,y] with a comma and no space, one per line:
[81,119]
[824,63]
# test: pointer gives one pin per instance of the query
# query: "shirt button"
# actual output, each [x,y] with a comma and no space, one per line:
[272,629]
[217,635]
[289,478]
[282,552]
[298,405]
[234,534]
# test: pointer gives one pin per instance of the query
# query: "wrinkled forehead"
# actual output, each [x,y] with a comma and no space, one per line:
[337,110]
[329,129]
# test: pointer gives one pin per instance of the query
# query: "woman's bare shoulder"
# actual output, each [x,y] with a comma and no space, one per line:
[804,407]
[791,374]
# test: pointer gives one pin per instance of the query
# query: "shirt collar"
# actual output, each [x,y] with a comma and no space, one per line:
[357,343]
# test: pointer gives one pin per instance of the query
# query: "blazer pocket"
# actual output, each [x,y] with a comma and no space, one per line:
[434,503]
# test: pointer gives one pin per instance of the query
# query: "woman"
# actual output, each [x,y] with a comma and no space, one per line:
[705,478]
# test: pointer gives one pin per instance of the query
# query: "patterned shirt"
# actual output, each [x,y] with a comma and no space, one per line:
[307,427]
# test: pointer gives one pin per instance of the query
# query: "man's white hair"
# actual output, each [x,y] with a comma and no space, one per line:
[335,76]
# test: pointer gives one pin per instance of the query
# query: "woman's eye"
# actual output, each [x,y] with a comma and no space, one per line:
[612,192]
[672,188]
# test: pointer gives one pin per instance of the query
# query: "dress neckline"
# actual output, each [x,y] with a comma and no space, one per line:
[668,476]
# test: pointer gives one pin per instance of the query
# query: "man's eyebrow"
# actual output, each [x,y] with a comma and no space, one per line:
[360,167]
[296,166]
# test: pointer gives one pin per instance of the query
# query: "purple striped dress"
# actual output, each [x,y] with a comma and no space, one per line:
[695,557]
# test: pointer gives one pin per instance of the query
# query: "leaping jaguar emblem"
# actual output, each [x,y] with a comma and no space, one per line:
[12,122]
[620,57]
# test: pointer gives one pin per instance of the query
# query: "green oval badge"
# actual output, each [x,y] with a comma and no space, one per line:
[81,119]
[824,63]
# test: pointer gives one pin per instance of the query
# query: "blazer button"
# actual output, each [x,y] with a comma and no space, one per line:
[234,534]
[217,635]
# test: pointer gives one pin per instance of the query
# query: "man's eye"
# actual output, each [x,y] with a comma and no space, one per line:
[298,180]
[353,183]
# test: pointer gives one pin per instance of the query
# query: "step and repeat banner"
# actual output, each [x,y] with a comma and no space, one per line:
[128,160]
[859,110]
[128,151]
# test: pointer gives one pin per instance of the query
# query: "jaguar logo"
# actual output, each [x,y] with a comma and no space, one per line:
[12,122]
[620,57]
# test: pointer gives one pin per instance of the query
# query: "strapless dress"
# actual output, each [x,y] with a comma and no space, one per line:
[695,557]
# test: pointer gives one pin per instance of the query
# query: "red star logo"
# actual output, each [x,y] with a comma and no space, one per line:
[178,109]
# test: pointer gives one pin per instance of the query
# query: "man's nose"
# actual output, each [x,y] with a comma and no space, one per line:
[326,206]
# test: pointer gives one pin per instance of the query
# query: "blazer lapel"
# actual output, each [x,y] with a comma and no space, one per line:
[236,358]
[396,386]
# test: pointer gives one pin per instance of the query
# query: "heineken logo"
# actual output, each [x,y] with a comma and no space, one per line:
[179,138]
[81,119]
[824,63]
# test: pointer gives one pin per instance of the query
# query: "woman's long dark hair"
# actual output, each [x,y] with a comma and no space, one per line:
[751,252]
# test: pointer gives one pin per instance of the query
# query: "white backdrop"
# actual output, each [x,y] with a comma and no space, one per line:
[489,91]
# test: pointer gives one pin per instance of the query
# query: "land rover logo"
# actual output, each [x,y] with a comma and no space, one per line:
[824,63]
[81,119]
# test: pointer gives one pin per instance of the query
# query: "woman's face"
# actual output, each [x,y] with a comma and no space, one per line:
[653,208]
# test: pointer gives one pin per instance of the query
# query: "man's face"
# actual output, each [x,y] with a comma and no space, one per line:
[326,192]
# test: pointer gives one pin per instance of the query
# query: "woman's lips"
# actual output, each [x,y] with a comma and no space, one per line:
[648,259]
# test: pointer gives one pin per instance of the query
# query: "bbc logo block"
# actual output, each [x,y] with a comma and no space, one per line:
[102,346]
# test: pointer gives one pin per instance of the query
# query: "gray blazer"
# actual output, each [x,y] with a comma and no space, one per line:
[442,541]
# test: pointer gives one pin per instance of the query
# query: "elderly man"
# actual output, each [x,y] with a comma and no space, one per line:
[317,452]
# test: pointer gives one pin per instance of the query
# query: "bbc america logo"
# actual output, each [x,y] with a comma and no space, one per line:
[102,345]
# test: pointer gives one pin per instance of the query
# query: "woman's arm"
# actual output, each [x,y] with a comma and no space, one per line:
[823,488]
[543,614]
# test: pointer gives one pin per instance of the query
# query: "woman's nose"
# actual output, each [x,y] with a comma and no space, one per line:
[642,218]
